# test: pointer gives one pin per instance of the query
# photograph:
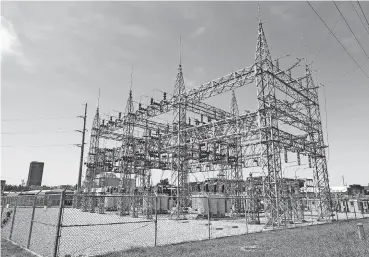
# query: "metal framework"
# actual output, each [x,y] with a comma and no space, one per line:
[226,142]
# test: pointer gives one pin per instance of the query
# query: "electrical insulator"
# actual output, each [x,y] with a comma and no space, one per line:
[103,122]
[120,115]
[209,119]
[152,100]
[189,121]
[298,158]
[111,118]
[165,96]
[285,156]
[202,118]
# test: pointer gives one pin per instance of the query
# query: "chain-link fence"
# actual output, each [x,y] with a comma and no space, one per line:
[87,224]
[31,221]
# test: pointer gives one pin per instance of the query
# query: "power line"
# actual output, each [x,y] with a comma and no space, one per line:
[357,40]
[36,133]
[359,17]
[363,12]
[44,118]
[338,40]
[316,55]
[10,146]
[345,74]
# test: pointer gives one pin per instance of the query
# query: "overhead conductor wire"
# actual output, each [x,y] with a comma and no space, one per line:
[363,13]
[357,40]
[337,39]
[361,20]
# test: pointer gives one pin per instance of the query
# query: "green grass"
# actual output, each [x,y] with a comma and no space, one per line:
[337,239]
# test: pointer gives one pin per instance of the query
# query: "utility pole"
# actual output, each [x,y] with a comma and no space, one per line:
[82,146]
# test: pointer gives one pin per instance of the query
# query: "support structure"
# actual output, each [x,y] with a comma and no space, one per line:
[200,138]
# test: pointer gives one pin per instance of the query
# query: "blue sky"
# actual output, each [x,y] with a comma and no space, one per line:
[56,55]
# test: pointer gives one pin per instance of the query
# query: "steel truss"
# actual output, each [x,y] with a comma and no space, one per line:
[226,142]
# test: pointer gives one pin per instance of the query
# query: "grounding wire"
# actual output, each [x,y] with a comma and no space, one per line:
[357,40]
[337,39]
[363,13]
[353,6]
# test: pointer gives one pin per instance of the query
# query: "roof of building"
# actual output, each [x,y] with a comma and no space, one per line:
[46,192]
[339,189]
[356,185]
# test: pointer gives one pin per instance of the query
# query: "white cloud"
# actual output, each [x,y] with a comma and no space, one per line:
[199,32]
[135,30]
[9,40]
[10,45]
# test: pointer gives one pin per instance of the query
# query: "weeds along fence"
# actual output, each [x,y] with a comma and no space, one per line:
[85,225]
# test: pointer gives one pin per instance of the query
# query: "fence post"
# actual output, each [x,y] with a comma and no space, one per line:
[156,217]
[362,209]
[285,213]
[336,214]
[294,208]
[209,215]
[360,230]
[311,211]
[302,209]
[247,227]
[355,210]
[3,201]
[32,218]
[15,211]
[57,237]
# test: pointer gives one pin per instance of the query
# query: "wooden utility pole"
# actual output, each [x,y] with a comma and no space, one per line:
[82,146]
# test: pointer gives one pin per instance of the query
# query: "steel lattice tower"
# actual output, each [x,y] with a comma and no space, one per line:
[315,133]
[127,164]
[92,159]
[179,155]
[270,160]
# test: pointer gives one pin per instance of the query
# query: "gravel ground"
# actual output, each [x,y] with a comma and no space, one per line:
[102,238]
